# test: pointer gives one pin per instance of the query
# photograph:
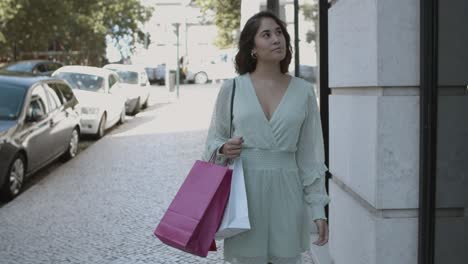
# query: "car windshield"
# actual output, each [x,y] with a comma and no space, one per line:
[11,102]
[20,67]
[128,76]
[83,81]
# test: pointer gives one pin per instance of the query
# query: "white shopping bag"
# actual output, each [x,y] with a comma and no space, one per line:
[236,214]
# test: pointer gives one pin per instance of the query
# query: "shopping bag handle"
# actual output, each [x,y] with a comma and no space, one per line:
[233,92]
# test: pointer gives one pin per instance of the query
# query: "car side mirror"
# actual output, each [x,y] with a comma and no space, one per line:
[35,114]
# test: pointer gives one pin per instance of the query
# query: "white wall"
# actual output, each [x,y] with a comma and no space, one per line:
[374,131]
[374,43]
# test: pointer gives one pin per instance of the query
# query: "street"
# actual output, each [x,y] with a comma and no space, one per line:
[103,205]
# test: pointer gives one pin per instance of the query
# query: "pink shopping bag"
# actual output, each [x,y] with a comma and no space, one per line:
[193,217]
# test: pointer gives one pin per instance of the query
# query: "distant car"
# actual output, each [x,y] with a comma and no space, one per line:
[151,73]
[133,77]
[218,68]
[307,72]
[39,121]
[100,95]
[36,67]
[156,74]
[161,73]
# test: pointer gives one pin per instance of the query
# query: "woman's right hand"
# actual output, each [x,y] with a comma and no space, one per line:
[232,148]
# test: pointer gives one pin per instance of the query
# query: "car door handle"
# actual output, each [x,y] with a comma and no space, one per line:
[52,123]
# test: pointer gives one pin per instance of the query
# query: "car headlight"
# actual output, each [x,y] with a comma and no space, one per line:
[89,110]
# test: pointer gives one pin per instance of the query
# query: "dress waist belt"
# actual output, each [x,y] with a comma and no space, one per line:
[268,159]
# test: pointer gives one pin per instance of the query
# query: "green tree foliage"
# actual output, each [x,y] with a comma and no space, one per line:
[77,29]
[227,19]
[8,10]
[311,13]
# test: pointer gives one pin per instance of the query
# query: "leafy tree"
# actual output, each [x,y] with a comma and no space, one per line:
[7,12]
[77,29]
[227,19]
[311,13]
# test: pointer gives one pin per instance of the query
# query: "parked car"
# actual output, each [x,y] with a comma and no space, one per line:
[156,74]
[39,121]
[36,67]
[151,73]
[100,95]
[218,68]
[161,74]
[307,72]
[134,77]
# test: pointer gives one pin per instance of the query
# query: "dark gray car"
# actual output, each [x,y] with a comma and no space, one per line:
[36,67]
[39,121]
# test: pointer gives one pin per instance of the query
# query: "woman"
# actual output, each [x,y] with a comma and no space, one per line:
[278,136]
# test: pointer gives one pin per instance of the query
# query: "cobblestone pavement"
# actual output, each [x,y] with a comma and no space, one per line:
[103,206]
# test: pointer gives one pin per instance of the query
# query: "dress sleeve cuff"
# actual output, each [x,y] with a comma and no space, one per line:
[220,158]
[218,152]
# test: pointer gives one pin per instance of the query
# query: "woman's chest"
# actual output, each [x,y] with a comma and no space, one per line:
[287,116]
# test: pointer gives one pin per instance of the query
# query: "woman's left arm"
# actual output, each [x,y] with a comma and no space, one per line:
[311,160]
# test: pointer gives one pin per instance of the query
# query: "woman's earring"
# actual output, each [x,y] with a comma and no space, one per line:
[253,55]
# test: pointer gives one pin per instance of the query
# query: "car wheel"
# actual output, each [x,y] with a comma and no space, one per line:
[14,179]
[136,110]
[72,145]
[201,78]
[122,117]
[102,127]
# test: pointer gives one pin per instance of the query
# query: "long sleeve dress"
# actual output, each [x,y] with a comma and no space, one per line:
[284,169]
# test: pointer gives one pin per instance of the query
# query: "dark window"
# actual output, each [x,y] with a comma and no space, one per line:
[66,91]
[53,66]
[40,68]
[56,97]
[11,102]
[112,80]
[21,67]
[83,81]
[128,76]
[39,94]
[38,101]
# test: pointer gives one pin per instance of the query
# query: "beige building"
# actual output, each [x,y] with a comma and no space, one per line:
[196,33]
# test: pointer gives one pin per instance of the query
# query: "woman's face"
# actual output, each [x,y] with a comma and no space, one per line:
[270,43]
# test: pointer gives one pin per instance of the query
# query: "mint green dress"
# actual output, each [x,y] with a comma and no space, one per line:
[284,170]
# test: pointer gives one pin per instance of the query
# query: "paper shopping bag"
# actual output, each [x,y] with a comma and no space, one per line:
[191,221]
[236,215]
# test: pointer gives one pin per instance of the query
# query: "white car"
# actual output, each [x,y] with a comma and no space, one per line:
[99,94]
[134,78]
[219,67]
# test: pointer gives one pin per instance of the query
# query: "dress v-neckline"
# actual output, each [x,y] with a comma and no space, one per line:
[260,105]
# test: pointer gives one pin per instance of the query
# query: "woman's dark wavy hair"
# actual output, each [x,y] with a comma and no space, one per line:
[244,62]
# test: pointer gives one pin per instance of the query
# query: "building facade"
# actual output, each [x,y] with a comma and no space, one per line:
[177,28]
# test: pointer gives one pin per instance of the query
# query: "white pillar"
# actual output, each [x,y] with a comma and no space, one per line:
[374,131]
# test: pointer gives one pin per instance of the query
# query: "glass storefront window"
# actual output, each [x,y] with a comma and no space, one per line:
[451,198]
